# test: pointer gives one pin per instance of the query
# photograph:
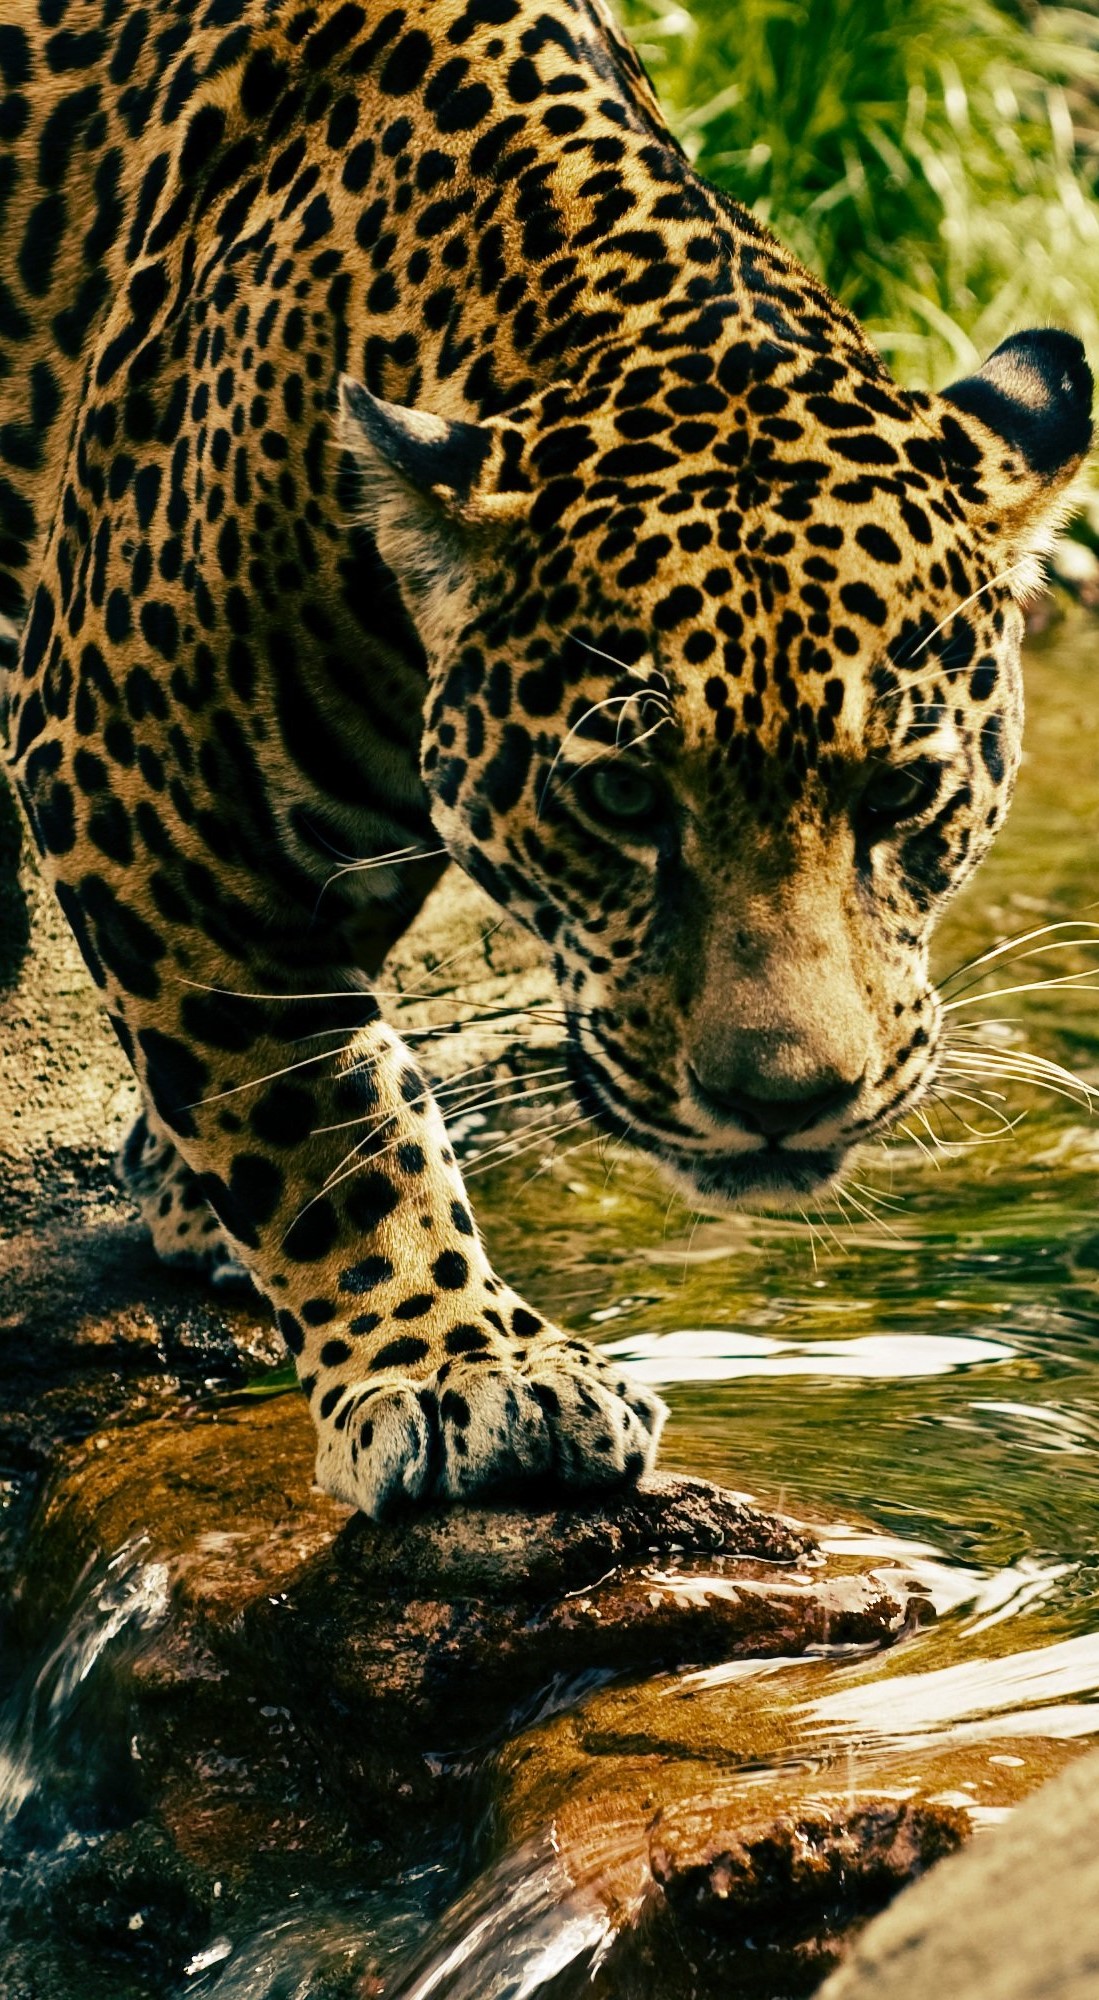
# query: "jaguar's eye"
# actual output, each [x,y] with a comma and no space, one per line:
[619,793]
[899,794]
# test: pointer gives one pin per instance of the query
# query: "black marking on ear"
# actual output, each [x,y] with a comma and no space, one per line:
[1035,391]
[430,453]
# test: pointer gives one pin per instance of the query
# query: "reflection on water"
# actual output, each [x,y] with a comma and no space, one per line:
[720,1354]
[1065,1428]
[1021,1692]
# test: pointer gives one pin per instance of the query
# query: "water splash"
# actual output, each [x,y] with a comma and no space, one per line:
[314,1949]
[525,1922]
[127,1595]
[293,1958]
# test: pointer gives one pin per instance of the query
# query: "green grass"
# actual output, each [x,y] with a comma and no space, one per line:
[931,159]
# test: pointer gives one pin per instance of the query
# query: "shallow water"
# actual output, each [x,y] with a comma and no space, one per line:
[922,1380]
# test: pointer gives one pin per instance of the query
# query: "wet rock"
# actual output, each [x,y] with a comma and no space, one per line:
[438,1628]
[777,1908]
[785,1887]
[93,1332]
[347,1648]
[734,1894]
[42,1968]
[1016,1918]
[497,1553]
[460,1666]
[750,1872]
[719,1864]
[222,1493]
[408,1608]
[121,1917]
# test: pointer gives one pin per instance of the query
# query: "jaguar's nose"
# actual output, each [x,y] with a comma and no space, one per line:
[778,1117]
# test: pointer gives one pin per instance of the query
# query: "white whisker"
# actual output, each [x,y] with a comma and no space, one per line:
[555,1159]
[1017,958]
[1005,1124]
[1074,979]
[804,1214]
[1004,576]
[1022,938]
[876,1221]
[890,1201]
[1016,1066]
[272,1076]
[620,701]
[485,1160]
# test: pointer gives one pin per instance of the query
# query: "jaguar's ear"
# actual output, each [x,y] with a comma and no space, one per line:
[428,490]
[1034,396]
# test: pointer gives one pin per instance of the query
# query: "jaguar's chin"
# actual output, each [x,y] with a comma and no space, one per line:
[772,1178]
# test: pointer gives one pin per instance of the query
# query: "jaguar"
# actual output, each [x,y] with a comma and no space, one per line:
[406,458]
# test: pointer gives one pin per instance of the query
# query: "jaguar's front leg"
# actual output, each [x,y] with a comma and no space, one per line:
[332,1177]
[427,1376]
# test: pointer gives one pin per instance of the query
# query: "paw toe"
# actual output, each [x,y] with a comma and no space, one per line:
[380,1452]
[494,1432]
[604,1430]
[489,1429]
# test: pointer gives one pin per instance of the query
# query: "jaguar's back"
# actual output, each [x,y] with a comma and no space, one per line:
[80,83]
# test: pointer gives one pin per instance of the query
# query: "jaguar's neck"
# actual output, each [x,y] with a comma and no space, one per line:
[510,199]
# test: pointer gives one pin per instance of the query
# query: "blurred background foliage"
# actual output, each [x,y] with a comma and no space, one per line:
[936,161]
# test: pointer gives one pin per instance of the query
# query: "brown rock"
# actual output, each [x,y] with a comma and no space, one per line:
[714,1875]
[504,1553]
[436,1631]
[768,1870]
[312,1674]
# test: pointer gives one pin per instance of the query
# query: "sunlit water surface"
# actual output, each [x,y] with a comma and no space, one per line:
[921,1379]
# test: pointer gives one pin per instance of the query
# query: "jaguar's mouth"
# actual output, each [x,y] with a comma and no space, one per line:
[758,1174]
[776,1174]
[715,1175]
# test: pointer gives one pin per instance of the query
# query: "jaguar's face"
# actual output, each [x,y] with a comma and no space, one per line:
[726,726]
[736,872]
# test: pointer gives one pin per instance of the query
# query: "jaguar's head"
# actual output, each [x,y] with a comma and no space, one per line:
[725,702]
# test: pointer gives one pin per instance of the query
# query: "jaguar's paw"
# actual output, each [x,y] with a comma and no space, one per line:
[556,1417]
